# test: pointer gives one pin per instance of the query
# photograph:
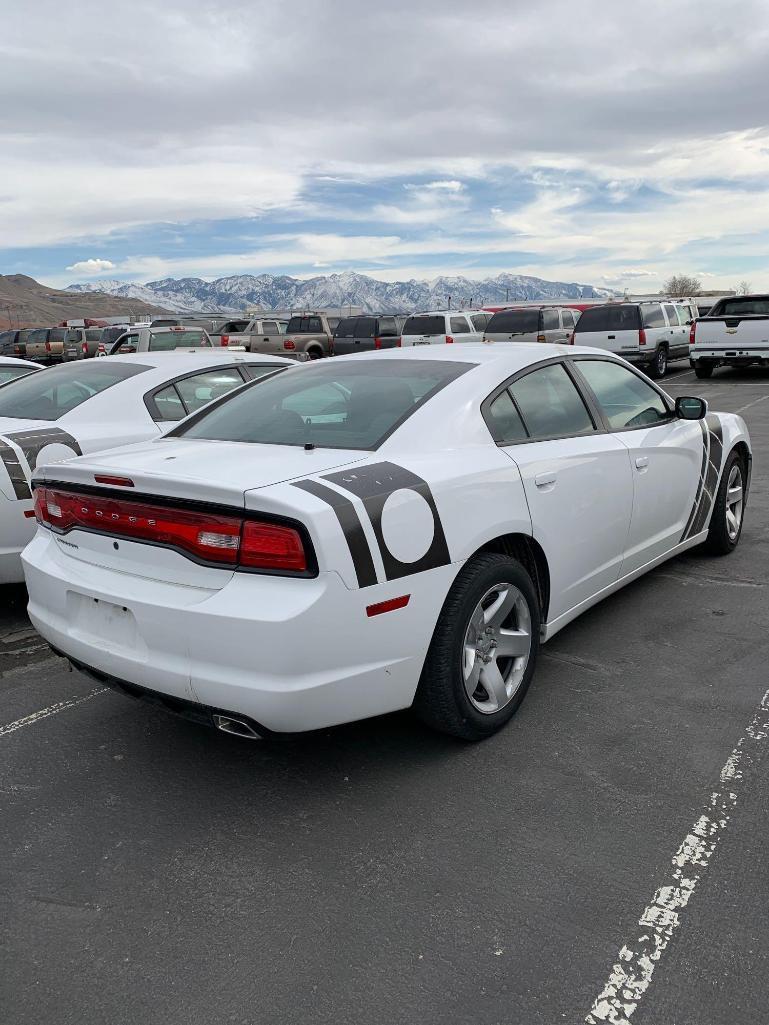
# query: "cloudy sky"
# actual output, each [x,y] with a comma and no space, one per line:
[599,142]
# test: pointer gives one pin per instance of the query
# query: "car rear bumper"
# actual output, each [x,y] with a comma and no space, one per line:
[731,357]
[291,654]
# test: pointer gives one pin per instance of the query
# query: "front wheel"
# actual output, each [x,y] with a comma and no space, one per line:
[484,650]
[703,370]
[728,508]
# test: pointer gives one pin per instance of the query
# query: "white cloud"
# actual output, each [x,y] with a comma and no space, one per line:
[91,267]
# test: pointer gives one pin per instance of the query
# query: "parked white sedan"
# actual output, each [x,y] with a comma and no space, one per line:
[375,532]
[93,405]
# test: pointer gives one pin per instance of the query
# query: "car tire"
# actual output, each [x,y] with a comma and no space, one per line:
[462,654]
[703,370]
[728,509]
[658,368]
[315,353]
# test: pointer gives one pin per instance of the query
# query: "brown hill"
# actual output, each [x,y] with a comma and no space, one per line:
[24,302]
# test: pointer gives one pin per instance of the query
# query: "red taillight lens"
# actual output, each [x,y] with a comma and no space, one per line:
[225,339]
[85,348]
[449,340]
[571,339]
[47,346]
[397,343]
[641,336]
[692,332]
[271,546]
[377,343]
[288,344]
[209,537]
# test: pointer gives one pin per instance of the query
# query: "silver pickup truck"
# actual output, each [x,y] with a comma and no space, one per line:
[735,333]
[262,334]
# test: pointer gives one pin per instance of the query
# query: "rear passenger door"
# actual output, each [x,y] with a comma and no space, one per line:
[461,331]
[567,325]
[679,334]
[576,476]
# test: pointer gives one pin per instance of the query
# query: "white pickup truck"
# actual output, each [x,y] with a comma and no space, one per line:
[735,333]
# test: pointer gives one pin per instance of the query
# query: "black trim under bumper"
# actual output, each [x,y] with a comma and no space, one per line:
[203,715]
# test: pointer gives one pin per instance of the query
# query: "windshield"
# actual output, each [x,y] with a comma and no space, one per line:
[609,318]
[514,322]
[342,405]
[754,306]
[50,394]
[160,341]
[435,325]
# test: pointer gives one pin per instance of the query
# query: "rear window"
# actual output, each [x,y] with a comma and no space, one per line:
[435,325]
[40,334]
[738,307]
[609,318]
[330,405]
[653,315]
[305,326]
[514,322]
[11,373]
[346,328]
[50,394]
[93,334]
[160,341]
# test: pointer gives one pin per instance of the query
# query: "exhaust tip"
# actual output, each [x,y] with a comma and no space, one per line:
[238,727]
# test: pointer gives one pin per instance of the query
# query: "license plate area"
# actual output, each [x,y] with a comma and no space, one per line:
[112,627]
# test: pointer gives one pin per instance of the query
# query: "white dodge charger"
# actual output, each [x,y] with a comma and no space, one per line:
[93,405]
[376,532]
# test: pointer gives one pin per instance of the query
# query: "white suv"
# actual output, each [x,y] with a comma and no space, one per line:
[445,326]
[648,334]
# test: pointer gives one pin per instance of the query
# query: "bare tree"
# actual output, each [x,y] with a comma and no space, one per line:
[682,285]
[745,288]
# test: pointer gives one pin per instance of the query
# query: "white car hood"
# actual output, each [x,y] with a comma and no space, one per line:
[206,471]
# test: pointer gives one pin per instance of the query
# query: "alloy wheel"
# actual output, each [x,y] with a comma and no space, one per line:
[734,502]
[496,648]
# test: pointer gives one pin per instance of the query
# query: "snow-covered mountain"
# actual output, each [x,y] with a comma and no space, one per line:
[233,294]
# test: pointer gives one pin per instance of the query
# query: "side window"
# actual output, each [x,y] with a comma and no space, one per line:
[653,316]
[550,404]
[567,319]
[387,327]
[459,326]
[254,371]
[480,320]
[196,391]
[269,327]
[550,320]
[627,401]
[672,316]
[314,326]
[504,421]
[129,343]
[365,327]
[168,404]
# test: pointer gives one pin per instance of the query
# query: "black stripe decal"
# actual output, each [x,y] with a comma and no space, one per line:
[713,473]
[701,485]
[351,526]
[33,442]
[15,471]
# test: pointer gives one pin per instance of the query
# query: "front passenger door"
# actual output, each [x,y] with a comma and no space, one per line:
[576,477]
[666,457]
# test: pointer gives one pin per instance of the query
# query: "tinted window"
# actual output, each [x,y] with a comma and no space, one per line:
[168,404]
[567,319]
[739,307]
[626,400]
[550,404]
[196,391]
[305,325]
[514,322]
[435,325]
[365,327]
[609,318]
[256,370]
[93,334]
[50,394]
[330,404]
[38,335]
[550,320]
[126,343]
[504,421]
[459,326]
[160,341]
[11,373]
[672,316]
[345,328]
[480,320]
[652,315]
[387,327]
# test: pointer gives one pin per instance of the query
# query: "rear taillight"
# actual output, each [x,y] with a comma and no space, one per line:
[692,332]
[225,340]
[288,344]
[377,343]
[218,539]
[47,346]
[17,350]
[84,348]
[641,336]
[541,338]
[397,343]
[449,340]
[571,339]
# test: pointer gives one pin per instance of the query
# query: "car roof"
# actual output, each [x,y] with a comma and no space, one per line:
[445,313]
[514,355]
[14,361]
[182,360]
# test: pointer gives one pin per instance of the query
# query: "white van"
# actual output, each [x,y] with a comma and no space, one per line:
[442,326]
[649,334]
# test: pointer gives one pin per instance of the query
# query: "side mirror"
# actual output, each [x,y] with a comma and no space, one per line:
[690,408]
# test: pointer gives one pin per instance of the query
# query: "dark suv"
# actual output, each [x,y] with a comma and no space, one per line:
[364,334]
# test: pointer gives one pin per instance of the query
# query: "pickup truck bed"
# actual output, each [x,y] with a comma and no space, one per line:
[735,333]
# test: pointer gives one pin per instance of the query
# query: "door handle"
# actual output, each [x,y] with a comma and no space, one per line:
[542,480]
[642,462]
[611,338]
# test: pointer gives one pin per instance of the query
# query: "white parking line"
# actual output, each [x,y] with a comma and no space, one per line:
[60,706]
[753,403]
[631,976]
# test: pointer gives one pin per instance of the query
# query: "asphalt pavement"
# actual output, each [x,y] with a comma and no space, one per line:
[155,872]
